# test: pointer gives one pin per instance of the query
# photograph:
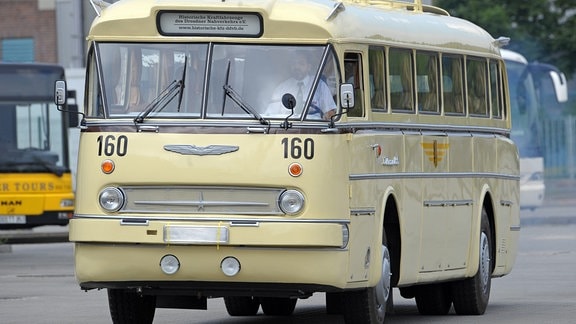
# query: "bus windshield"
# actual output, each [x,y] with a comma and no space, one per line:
[524,106]
[32,139]
[215,81]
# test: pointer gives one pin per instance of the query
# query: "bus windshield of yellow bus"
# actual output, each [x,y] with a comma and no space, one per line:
[30,134]
[219,81]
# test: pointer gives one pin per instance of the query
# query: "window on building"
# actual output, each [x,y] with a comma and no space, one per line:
[17,50]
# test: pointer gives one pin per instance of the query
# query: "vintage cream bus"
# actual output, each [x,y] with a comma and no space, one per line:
[265,151]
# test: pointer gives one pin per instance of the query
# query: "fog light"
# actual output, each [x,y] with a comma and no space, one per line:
[230,266]
[169,264]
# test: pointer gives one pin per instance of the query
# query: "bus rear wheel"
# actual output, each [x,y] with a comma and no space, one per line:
[127,306]
[470,296]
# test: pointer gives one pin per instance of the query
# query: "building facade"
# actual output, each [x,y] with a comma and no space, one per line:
[28,31]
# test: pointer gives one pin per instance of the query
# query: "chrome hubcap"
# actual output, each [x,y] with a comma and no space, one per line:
[484,261]
[383,287]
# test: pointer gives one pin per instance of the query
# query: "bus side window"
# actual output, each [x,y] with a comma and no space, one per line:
[401,80]
[427,81]
[353,75]
[452,86]
[376,68]
[496,89]
[476,87]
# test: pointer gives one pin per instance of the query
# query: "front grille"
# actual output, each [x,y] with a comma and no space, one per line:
[201,200]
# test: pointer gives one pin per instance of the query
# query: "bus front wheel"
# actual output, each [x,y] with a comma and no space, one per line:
[241,305]
[368,306]
[127,306]
[276,306]
[470,296]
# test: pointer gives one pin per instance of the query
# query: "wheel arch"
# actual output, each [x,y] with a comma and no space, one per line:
[391,226]
[488,205]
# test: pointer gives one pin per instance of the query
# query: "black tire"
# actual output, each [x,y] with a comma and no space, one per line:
[241,305]
[126,306]
[368,306]
[334,302]
[276,306]
[433,299]
[470,296]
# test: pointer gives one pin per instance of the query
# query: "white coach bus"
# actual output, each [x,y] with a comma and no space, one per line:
[536,90]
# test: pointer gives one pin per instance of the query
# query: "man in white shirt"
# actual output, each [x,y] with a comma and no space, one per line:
[322,105]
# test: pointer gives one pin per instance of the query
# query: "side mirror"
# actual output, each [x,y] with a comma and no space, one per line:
[72,115]
[347,96]
[289,102]
[60,93]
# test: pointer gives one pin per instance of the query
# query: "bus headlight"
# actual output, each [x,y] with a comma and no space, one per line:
[345,236]
[291,202]
[111,199]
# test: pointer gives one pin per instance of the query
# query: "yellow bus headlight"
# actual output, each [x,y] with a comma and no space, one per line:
[111,199]
[66,203]
[291,202]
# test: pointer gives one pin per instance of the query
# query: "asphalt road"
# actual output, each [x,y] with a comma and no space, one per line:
[37,285]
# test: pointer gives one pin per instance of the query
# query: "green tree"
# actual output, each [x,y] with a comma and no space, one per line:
[542,30]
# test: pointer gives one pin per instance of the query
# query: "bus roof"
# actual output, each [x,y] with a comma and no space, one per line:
[306,21]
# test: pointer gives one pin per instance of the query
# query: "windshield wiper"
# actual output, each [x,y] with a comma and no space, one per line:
[165,97]
[182,81]
[232,94]
[162,100]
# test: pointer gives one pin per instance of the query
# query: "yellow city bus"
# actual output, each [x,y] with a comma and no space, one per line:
[35,176]
[265,151]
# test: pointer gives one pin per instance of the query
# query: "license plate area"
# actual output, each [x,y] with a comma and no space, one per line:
[13,219]
[185,234]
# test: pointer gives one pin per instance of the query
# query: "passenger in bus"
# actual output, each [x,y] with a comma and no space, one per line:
[299,84]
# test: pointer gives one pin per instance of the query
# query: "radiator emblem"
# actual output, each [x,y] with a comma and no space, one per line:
[201,150]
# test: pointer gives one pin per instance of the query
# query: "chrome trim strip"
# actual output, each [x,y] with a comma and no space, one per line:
[197,203]
[257,130]
[384,126]
[202,212]
[445,203]
[296,248]
[214,219]
[363,211]
[134,221]
[415,175]
[147,128]
[244,224]
[515,228]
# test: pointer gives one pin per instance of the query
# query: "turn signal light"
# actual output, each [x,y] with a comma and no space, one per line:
[295,169]
[107,166]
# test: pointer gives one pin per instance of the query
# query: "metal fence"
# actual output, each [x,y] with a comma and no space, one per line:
[559,139]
